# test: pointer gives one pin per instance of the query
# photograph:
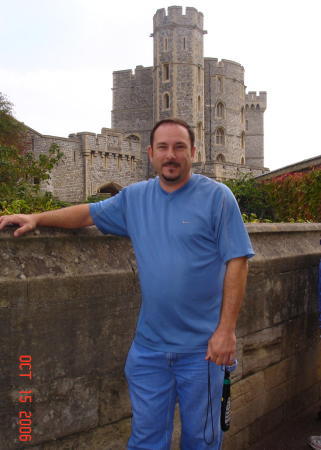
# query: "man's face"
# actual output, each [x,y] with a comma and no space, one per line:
[171,155]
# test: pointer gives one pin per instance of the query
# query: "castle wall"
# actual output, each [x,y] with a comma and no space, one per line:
[224,83]
[133,104]
[255,106]
[90,161]
[110,156]
[67,178]
[226,171]
[70,298]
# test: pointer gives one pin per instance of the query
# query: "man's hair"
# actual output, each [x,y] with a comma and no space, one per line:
[174,121]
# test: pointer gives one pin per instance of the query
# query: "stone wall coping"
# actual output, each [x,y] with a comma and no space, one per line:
[282,227]
[92,231]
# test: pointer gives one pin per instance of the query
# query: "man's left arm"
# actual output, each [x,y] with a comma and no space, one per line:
[222,344]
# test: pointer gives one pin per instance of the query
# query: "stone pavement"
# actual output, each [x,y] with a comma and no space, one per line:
[293,435]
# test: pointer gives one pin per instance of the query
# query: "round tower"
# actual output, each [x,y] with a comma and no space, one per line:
[224,111]
[179,69]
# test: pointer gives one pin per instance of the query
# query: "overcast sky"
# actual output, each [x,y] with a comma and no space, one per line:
[57,59]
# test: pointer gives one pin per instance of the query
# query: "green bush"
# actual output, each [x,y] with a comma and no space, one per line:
[292,197]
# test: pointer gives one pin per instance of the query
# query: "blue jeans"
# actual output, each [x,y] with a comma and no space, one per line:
[156,381]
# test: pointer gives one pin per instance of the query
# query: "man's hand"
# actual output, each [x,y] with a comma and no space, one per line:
[221,347]
[26,222]
[77,216]
[222,344]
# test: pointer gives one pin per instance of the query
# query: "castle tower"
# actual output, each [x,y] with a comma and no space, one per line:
[224,111]
[179,69]
[255,106]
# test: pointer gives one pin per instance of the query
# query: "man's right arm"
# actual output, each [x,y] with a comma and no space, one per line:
[71,217]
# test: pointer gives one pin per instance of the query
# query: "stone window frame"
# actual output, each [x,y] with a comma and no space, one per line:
[219,136]
[219,84]
[166,101]
[199,130]
[220,110]
[119,162]
[166,72]
[199,103]
[242,115]
[242,140]
[220,158]
[106,160]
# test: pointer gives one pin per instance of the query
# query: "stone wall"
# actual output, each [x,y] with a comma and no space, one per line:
[90,161]
[69,300]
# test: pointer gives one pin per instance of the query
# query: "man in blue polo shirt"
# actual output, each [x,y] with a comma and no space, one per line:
[191,248]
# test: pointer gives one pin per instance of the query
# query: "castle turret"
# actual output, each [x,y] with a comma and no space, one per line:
[224,111]
[255,106]
[179,69]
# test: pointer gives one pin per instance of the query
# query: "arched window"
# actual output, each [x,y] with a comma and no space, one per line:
[252,107]
[219,136]
[243,139]
[242,160]
[199,103]
[166,72]
[220,158]
[246,107]
[165,44]
[166,101]
[246,125]
[242,114]
[184,43]
[199,74]
[220,110]
[199,157]
[258,107]
[219,84]
[199,130]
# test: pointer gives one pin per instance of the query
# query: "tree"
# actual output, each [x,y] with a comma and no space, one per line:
[12,132]
[20,171]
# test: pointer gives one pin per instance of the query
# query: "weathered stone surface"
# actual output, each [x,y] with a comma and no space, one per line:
[265,424]
[262,349]
[75,311]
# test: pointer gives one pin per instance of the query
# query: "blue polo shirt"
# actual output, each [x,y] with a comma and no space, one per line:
[182,241]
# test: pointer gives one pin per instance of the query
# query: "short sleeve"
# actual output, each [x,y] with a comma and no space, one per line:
[230,232]
[110,215]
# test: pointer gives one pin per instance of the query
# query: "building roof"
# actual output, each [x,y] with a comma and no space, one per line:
[301,166]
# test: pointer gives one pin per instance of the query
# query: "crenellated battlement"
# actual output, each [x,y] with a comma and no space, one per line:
[224,67]
[125,78]
[252,99]
[175,15]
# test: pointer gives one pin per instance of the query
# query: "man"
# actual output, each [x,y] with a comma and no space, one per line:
[191,248]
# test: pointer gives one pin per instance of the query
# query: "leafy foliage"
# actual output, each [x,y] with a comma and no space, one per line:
[12,132]
[292,197]
[20,171]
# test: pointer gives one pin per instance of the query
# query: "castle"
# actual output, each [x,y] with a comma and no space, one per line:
[209,94]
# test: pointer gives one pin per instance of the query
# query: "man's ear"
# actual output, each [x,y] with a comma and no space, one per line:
[150,153]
